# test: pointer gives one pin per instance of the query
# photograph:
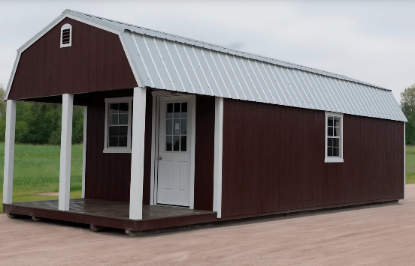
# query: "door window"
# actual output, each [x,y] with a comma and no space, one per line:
[176,126]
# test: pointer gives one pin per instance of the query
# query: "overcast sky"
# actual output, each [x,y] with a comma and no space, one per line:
[372,41]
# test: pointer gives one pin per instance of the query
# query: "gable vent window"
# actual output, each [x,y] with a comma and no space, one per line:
[66,35]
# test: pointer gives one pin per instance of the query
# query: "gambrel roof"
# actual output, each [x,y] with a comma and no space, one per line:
[170,62]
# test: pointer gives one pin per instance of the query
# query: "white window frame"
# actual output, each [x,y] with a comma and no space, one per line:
[127,149]
[333,159]
[65,27]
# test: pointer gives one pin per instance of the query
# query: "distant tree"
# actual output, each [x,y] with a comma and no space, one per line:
[39,123]
[408,108]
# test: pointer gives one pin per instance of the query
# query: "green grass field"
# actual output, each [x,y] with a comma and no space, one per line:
[36,171]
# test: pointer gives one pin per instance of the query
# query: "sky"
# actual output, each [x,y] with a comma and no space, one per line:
[372,41]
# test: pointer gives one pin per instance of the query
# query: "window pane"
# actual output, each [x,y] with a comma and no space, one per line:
[329,142]
[169,127]
[337,122]
[113,142]
[176,143]
[176,110]
[336,143]
[329,151]
[337,132]
[183,143]
[113,108]
[114,131]
[330,122]
[114,119]
[168,143]
[176,127]
[184,110]
[330,131]
[123,119]
[336,152]
[123,107]
[123,141]
[169,110]
[184,127]
[123,131]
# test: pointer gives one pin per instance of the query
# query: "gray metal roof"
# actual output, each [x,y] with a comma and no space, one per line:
[165,61]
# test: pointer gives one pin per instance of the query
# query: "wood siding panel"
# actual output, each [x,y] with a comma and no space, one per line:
[95,62]
[205,127]
[108,174]
[273,160]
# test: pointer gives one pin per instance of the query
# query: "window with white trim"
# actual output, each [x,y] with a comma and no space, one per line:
[334,138]
[118,125]
[66,35]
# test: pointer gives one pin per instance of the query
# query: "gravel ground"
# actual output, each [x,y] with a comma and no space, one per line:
[377,235]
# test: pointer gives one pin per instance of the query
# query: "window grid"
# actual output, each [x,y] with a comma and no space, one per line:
[333,136]
[176,126]
[118,125]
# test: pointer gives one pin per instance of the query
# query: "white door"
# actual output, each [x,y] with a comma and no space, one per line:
[174,153]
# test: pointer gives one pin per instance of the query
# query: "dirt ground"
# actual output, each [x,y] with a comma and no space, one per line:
[380,235]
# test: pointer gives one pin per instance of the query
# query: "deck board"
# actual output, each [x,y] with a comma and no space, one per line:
[112,213]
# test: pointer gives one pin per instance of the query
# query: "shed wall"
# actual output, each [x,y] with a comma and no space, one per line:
[273,160]
[96,61]
[108,175]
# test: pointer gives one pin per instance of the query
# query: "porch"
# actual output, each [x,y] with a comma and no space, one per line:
[112,214]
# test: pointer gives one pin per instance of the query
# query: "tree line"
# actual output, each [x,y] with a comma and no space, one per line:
[40,123]
[408,108]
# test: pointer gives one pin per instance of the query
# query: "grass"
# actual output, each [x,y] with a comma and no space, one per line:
[36,170]
[410,164]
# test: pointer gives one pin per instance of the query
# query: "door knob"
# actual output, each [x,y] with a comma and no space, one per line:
[159,158]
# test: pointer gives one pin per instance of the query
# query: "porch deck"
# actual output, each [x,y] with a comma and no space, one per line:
[112,214]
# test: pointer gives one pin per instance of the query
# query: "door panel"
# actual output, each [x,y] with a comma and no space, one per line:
[174,159]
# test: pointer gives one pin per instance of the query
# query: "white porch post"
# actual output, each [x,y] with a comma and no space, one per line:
[66,152]
[9,151]
[84,151]
[218,155]
[137,154]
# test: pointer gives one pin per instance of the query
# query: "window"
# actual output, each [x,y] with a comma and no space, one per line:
[66,35]
[176,126]
[334,138]
[118,125]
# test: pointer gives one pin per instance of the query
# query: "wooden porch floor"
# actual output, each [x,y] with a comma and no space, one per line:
[112,214]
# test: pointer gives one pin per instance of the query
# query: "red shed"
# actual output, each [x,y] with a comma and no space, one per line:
[180,132]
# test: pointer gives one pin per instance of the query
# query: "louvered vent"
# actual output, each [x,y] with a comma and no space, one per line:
[66,36]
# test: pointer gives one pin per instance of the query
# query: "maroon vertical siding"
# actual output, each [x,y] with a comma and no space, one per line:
[96,61]
[273,160]
[108,174]
[205,127]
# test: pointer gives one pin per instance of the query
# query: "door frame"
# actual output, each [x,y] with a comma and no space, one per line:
[157,95]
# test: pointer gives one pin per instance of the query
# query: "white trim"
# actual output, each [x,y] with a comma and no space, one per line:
[137,154]
[9,85]
[84,150]
[330,159]
[130,59]
[154,142]
[9,152]
[66,152]
[404,161]
[66,26]
[118,149]
[218,157]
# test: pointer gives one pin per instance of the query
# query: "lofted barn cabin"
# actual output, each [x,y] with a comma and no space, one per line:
[180,132]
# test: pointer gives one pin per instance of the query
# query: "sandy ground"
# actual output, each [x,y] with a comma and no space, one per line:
[381,235]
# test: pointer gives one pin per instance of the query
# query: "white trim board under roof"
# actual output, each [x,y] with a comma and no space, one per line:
[165,61]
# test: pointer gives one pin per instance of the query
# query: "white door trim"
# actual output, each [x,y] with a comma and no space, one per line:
[155,137]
